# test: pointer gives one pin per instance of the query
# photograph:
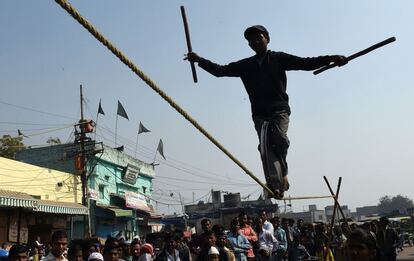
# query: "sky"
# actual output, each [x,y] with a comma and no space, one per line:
[353,122]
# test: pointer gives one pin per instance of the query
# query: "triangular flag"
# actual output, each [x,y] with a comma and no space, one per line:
[21,134]
[100,110]
[121,111]
[142,129]
[160,149]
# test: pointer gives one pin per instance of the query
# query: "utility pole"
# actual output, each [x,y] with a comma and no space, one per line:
[183,209]
[84,180]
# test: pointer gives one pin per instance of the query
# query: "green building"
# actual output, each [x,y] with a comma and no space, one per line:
[120,186]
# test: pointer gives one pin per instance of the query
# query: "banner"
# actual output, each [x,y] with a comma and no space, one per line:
[136,201]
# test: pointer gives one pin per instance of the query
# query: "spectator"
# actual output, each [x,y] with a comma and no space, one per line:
[95,256]
[267,242]
[323,252]
[75,253]
[213,254]
[135,249]
[59,243]
[387,240]
[361,246]
[111,251]
[170,252]
[239,243]
[147,252]
[200,240]
[224,245]
[18,253]
[266,224]
[204,253]
[280,235]
[247,231]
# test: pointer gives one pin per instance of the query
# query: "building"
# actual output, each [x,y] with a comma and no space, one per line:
[120,186]
[35,201]
[311,216]
[223,211]
[367,211]
[344,208]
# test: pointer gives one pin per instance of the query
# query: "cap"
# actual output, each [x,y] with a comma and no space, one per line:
[95,255]
[213,251]
[256,29]
[147,248]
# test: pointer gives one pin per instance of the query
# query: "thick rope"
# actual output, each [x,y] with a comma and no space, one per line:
[77,16]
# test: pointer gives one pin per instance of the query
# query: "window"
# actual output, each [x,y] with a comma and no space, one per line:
[101,191]
[144,189]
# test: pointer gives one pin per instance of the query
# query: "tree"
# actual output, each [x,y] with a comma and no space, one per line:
[398,203]
[53,141]
[9,146]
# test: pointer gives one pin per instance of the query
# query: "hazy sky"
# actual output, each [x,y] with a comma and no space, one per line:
[355,121]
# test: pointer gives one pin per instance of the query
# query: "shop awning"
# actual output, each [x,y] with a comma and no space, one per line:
[16,199]
[61,208]
[121,212]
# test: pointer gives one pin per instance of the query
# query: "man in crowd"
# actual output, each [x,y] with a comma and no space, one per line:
[18,253]
[200,240]
[387,240]
[59,243]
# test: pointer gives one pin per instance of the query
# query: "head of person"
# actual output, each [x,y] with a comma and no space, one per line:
[383,222]
[147,249]
[75,253]
[242,219]
[5,245]
[249,220]
[263,215]
[235,225]
[95,256]
[291,222]
[221,239]
[211,238]
[135,249]
[285,223]
[59,242]
[300,223]
[258,38]
[213,254]
[258,224]
[217,228]
[345,229]
[111,251]
[361,246]
[275,222]
[171,242]
[205,224]
[18,253]
[337,230]
[88,248]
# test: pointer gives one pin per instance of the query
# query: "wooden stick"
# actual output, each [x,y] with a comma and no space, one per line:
[358,54]
[336,201]
[334,210]
[187,38]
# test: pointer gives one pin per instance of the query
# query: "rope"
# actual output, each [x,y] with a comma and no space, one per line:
[305,197]
[77,16]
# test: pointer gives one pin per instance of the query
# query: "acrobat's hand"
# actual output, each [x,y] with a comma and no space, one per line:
[339,60]
[192,57]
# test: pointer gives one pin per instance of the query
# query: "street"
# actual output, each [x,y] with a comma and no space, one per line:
[406,254]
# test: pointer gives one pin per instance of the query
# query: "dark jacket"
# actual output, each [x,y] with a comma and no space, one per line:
[265,77]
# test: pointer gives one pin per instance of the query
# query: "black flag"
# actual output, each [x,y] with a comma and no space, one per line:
[121,111]
[20,133]
[142,129]
[160,149]
[100,110]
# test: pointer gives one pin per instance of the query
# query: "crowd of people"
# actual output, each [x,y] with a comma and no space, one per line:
[248,238]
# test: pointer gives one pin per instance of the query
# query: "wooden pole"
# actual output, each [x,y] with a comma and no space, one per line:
[358,54]
[336,201]
[188,40]
[334,209]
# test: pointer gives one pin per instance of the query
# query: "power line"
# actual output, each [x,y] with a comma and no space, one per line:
[38,111]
